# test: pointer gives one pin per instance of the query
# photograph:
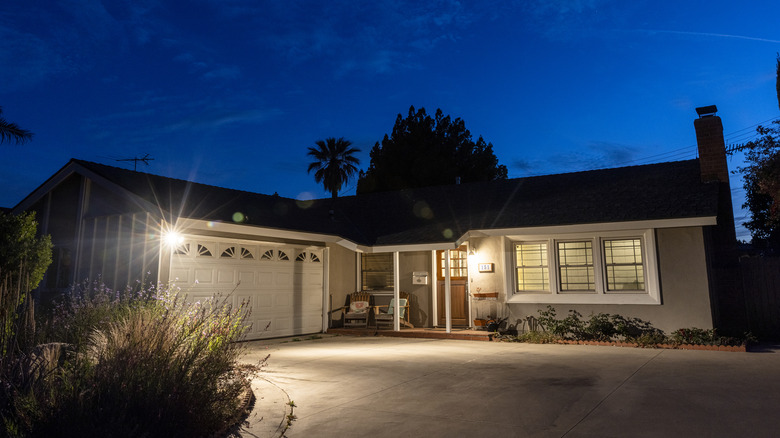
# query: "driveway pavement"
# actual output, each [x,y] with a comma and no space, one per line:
[375,387]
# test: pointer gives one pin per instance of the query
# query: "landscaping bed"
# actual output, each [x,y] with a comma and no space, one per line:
[618,331]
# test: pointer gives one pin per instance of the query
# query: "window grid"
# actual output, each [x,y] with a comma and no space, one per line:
[459,266]
[575,266]
[377,271]
[624,265]
[533,272]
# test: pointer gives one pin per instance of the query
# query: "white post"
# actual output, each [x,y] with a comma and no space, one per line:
[434,290]
[447,292]
[325,289]
[396,291]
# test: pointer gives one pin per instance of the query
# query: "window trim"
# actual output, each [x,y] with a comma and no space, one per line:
[651,295]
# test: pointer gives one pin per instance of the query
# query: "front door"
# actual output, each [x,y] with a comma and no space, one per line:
[459,272]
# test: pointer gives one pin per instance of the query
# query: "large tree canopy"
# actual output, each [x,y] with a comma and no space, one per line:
[762,181]
[762,185]
[424,151]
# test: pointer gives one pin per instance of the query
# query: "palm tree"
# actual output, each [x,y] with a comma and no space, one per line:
[334,163]
[11,131]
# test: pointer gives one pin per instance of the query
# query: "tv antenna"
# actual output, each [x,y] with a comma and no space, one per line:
[145,159]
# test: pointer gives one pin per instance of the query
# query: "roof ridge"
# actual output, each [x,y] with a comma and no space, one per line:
[92,163]
[521,178]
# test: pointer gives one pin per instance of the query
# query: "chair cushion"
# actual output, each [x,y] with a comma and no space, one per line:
[358,307]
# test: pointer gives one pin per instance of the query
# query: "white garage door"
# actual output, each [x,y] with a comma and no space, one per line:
[282,283]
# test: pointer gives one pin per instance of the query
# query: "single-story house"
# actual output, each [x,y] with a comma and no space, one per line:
[642,241]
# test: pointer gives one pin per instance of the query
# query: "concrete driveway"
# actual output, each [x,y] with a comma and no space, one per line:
[358,387]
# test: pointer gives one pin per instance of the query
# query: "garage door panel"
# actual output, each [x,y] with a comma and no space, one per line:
[204,275]
[226,276]
[265,279]
[247,279]
[181,276]
[283,279]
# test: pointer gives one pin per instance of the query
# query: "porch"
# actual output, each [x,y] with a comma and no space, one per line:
[463,334]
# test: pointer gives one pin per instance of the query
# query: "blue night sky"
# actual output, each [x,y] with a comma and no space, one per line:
[231,93]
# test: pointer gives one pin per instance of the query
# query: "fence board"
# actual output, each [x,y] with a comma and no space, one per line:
[761,283]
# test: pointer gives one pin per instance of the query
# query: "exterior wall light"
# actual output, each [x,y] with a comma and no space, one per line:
[172,238]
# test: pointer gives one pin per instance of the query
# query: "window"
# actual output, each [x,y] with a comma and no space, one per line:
[609,267]
[377,271]
[623,263]
[459,265]
[575,266]
[203,251]
[533,273]
[246,254]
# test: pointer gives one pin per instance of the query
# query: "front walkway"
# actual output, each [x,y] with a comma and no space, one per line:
[345,386]
[463,334]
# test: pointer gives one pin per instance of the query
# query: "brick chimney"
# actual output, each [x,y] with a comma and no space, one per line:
[726,295]
[712,147]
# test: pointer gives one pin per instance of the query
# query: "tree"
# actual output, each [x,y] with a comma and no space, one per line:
[24,259]
[10,131]
[423,151]
[762,181]
[334,163]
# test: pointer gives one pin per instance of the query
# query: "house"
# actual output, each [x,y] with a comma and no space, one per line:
[643,241]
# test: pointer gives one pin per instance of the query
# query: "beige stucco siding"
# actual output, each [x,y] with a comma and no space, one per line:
[684,287]
[419,295]
[342,274]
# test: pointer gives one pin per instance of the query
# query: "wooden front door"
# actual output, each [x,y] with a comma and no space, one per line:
[459,272]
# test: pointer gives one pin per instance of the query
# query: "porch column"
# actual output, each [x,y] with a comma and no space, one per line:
[396,291]
[447,293]
[326,304]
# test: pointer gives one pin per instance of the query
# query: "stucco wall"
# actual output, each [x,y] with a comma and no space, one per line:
[488,250]
[419,295]
[342,274]
[684,287]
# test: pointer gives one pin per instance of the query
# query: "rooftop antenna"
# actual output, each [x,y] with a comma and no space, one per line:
[145,159]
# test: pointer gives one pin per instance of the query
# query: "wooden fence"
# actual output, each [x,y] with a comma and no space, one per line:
[761,283]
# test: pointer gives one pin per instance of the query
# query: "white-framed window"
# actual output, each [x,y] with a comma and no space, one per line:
[575,266]
[623,265]
[617,267]
[532,268]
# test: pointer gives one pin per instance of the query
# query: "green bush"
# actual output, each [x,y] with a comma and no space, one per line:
[599,327]
[536,338]
[24,258]
[698,336]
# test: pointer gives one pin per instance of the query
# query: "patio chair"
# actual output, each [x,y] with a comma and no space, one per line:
[385,317]
[358,310]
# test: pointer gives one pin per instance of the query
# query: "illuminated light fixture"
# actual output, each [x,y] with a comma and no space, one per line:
[172,238]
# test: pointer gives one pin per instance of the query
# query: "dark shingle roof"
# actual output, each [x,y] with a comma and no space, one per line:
[444,213]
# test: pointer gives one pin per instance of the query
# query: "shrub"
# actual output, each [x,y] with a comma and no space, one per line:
[536,338]
[599,327]
[693,335]
[152,365]
[697,336]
